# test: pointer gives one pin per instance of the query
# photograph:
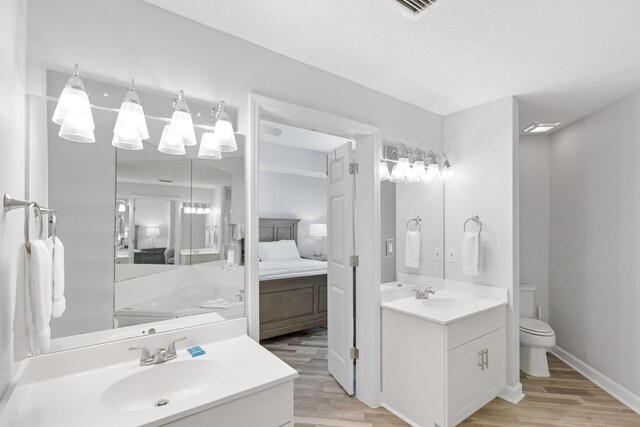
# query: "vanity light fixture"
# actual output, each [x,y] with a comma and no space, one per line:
[383,171]
[210,142]
[181,123]
[224,130]
[414,165]
[131,125]
[540,127]
[73,111]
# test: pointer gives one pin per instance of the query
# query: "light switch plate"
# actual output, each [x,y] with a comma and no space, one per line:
[451,256]
[437,254]
[390,247]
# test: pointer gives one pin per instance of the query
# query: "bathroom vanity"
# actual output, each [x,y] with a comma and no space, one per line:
[236,383]
[443,357]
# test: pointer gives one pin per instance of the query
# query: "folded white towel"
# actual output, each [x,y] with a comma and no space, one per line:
[56,248]
[38,296]
[238,232]
[412,249]
[215,303]
[471,253]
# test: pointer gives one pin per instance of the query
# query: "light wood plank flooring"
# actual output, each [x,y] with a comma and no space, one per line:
[564,399]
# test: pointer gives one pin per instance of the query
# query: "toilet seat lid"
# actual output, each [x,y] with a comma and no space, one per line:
[535,326]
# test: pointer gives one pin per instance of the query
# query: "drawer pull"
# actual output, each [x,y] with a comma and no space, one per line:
[481,354]
[486,362]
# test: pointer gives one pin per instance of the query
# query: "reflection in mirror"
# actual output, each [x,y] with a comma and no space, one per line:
[418,214]
[146,234]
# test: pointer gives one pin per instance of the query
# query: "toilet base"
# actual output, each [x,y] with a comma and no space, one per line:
[533,361]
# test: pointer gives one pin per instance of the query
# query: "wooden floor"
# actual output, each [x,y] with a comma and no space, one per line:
[565,399]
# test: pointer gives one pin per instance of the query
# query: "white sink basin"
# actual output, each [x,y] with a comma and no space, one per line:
[446,303]
[169,381]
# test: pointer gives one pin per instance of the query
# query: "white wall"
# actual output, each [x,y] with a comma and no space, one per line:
[13,26]
[594,267]
[482,146]
[387,230]
[291,194]
[534,217]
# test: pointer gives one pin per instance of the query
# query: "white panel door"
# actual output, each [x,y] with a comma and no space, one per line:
[340,273]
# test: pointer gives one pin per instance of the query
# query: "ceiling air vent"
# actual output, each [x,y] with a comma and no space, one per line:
[414,9]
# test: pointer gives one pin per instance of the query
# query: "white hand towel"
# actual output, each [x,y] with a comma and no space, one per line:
[471,253]
[39,296]
[56,248]
[412,249]
[238,231]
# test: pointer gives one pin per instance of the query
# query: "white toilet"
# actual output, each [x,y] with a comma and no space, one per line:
[536,337]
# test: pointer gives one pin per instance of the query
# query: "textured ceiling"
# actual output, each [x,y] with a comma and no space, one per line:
[562,58]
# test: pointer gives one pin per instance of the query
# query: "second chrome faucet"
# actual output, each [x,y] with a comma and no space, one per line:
[161,354]
[424,294]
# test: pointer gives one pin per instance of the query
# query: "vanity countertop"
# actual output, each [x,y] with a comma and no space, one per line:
[452,301]
[236,367]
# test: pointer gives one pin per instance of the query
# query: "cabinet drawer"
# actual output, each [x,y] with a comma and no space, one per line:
[468,329]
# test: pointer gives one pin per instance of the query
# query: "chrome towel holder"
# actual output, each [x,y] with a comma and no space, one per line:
[474,218]
[10,203]
[417,220]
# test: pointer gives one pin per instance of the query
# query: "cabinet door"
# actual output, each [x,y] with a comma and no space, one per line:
[494,377]
[464,369]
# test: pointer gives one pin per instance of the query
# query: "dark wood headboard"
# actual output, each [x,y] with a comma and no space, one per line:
[274,229]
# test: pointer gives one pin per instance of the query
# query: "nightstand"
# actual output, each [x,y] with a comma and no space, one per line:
[317,258]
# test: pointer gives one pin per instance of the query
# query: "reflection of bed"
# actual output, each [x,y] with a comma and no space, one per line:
[293,292]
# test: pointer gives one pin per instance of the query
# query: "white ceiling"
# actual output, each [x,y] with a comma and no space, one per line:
[562,58]
[298,137]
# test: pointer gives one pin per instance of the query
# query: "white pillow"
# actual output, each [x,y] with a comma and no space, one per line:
[277,251]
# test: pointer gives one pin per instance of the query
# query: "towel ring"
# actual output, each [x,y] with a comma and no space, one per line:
[475,219]
[418,221]
[36,208]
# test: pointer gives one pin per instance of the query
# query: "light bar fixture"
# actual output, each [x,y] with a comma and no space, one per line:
[73,111]
[413,165]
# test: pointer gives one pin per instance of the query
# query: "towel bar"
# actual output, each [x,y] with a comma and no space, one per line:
[418,221]
[475,219]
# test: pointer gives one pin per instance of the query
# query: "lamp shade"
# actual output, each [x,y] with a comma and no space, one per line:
[132,143]
[122,207]
[182,125]
[171,143]
[76,127]
[153,231]
[396,174]
[209,147]
[383,171]
[131,125]
[318,231]
[432,171]
[73,112]
[224,133]
[447,172]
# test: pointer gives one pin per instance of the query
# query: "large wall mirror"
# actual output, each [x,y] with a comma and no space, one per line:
[147,235]
[418,216]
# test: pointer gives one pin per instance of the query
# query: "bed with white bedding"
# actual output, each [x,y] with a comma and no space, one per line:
[293,290]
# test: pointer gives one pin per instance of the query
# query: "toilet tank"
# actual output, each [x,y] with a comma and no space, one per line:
[528,301]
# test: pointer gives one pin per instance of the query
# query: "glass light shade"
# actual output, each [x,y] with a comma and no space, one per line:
[396,174]
[383,171]
[447,172]
[171,143]
[182,125]
[73,101]
[200,210]
[318,230]
[207,210]
[122,208]
[224,132]
[131,122]
[403,166]
[77,128]
[209,147]
[414,174]
[432,171]
[187,209]
[133,143]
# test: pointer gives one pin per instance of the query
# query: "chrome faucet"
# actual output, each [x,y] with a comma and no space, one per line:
[240,296]
[424,294]
[161,354]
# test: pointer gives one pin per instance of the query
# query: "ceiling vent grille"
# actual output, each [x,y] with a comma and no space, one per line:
[414,9]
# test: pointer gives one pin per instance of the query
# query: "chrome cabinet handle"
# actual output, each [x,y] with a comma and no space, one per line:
[481,354]
[486,363]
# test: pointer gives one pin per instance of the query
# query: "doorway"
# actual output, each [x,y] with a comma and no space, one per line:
[364,307]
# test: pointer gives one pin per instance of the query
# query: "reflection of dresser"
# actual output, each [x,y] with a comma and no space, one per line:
[149,256]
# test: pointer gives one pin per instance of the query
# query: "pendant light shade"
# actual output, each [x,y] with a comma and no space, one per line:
[417,171]
[403,166]
[73,111]
[383,171]
[181,122]
[396,174]
[131,125]
[447,172]
[432,171]
[224,130]
[170,143]
[209,147]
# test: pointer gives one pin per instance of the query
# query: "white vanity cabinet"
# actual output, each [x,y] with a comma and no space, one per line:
[437,374]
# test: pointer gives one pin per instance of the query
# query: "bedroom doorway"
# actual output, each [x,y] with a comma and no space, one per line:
[360,311]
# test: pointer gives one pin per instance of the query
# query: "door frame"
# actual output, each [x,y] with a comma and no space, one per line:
[368,200]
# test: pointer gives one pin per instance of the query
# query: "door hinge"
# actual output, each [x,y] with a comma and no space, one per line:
[354,353]
[353,168]
[354,261]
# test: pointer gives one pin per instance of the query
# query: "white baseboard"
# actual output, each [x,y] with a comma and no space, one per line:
[512,394]
[618,391]
[399,415]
